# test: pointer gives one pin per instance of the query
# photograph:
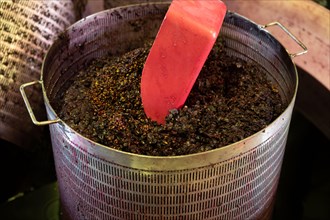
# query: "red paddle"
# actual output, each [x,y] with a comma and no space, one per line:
[183,42]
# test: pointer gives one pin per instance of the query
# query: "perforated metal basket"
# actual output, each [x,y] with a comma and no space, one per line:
[118,3]
[27,29]
[237,181]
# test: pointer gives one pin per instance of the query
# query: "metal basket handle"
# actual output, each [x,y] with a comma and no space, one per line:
[28,106]
[301,44]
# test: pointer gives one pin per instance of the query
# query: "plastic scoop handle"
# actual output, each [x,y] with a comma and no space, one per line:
[184,40]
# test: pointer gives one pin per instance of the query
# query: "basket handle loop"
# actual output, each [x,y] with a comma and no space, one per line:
[301,44]
[28,106]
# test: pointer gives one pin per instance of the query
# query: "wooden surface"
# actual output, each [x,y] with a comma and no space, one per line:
[307,20]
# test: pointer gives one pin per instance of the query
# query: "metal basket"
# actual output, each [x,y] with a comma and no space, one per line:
[237,181]
[118,3]
[27,29]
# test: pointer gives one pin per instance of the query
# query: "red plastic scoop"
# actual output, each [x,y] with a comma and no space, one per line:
[183,42]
